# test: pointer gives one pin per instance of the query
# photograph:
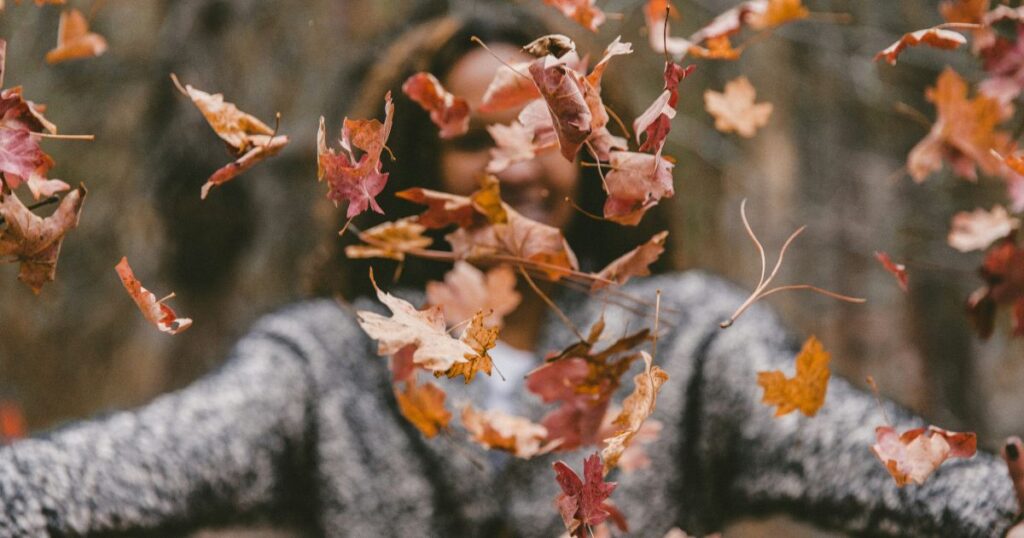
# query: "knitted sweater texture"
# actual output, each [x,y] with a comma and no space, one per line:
[300,424]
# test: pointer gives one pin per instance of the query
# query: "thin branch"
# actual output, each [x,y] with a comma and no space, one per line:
[584,211]
[760,290]
[551,304]
[62,136]
[657,316]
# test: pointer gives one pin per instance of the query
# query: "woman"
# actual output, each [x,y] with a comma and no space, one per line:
[300,424]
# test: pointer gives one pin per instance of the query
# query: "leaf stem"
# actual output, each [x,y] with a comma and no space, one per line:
[551,304]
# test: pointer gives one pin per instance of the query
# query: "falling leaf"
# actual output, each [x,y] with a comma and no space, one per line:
[773,13]
[390,240]
[496,430]
[511,87]
[979,229]
[914,455]
[584,12]
[563,92]
[467,290]
[969,11]
[423,406]
[636,183]
[34,241]
[964,132]
[487,201]
[156,312]
[448,112]
[734,110]
[512,143]
[898,270]
[555,45]
[632,263]
[348,179]
[481,339]
[74,40]
[806,390]
[20,155]
[443,209]
[435,349]
[934,37]
[654,124]
[12,422]
[245,135]
[582,503]
[1003,273]
[635,409]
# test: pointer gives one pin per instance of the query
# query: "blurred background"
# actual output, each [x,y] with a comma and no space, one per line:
[831,157]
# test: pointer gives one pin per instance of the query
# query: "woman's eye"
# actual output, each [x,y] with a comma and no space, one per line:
[473,140]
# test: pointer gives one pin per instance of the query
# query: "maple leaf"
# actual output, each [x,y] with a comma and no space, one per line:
[636,183]
[155,311]
[655,122]
[448,112]
[806,390]
[34,241]
[582,503]
[467,290]
[935,37]
[74,40]
[357,182]
[964,132]
[423,406]
[245,135]
[639,405]
[390,240]
[511,87]
[435,349]
[584,12]
[915,454]
[496,430]
[481,339]
[734,110]
[897,270]
[979,229]
[632,263]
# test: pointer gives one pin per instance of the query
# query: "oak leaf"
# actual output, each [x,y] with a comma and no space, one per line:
[934,37]
[155,311]
[979,229]
[915,454]
[448,112]
[74,40]
[632,263]
[735,110]
[34,241]
[806,390]
[436,350]
[467,290]
[636,408]
[423,406]
[496,430]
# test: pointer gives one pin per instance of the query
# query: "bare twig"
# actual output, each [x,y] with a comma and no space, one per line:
[761,290]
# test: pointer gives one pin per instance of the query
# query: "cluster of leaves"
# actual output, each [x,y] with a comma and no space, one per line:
[970,135]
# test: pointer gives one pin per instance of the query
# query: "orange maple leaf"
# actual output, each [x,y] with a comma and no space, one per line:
[74,40]
[735,110]
[423,405]
[156,312]
[806,390]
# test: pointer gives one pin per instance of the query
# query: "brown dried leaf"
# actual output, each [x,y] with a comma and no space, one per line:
[734,110]
[496,430]
[639,405]
[34,241]
[467,290]
[914,455]
[156,312]
[632,263]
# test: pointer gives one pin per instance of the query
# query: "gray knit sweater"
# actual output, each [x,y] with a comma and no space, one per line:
[300,424]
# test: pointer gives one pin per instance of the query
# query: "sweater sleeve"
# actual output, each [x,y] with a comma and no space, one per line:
[232,443]
[744,461]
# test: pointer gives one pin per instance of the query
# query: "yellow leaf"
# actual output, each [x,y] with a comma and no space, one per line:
[806,390]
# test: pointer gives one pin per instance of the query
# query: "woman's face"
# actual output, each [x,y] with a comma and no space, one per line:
[536,188]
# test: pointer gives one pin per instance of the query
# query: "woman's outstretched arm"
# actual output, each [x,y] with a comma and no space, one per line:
[742,460]
[232,443]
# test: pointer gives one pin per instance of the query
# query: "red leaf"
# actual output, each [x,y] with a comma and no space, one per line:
[510,88]
[448,112]
[156,312]
[582,502]
[898,270]
[563,92]
[636,183]
[654,123]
